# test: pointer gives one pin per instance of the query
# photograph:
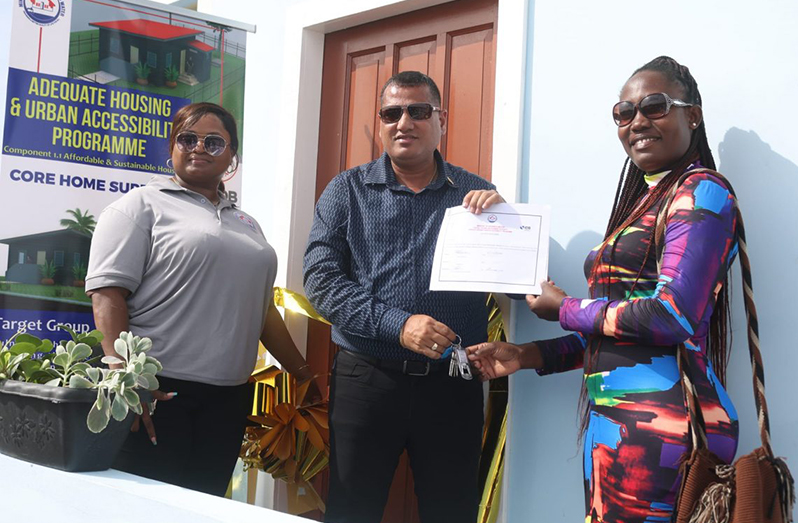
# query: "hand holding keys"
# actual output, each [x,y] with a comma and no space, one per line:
[458,365]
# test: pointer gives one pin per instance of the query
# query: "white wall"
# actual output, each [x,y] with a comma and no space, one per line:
[743,56]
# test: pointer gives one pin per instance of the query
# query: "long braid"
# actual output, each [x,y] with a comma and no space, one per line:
[629,206]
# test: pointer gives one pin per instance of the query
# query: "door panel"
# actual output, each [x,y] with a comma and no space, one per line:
[454,43]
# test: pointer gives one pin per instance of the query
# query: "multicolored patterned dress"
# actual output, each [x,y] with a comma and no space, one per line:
[638,428]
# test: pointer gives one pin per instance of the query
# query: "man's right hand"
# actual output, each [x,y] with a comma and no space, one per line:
[425,335]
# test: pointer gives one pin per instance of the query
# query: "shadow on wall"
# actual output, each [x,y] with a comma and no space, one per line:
[546,457]
[767,186]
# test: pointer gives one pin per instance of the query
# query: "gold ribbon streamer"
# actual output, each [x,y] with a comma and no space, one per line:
[292,441]
[295,302]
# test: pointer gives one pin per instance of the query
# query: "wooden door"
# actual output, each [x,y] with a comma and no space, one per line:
[453,43]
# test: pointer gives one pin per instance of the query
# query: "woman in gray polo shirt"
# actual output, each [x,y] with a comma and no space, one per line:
[178,262]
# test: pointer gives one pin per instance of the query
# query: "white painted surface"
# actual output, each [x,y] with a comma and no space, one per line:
[33,493]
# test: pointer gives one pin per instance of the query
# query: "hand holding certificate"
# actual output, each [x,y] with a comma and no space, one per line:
[504,249]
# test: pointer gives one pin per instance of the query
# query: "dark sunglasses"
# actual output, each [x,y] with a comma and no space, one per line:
[212,143]
[653,106]
[420,111]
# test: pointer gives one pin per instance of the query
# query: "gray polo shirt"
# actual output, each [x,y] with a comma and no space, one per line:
[200,278]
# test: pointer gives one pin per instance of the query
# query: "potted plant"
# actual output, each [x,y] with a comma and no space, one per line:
[171,74]
[56,408]
[79,274]
[47,270]
[142,73]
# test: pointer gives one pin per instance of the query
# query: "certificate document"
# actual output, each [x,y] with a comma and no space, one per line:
[504,249]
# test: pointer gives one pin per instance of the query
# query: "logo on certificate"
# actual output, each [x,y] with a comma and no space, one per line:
[43,12]
[492,218]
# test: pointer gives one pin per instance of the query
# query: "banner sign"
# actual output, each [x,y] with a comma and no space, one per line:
[93,87]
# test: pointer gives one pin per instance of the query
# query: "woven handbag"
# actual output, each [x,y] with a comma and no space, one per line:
[758,487]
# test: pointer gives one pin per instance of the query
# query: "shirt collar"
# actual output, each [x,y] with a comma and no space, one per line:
[653,179]
[381,172]
[167,183]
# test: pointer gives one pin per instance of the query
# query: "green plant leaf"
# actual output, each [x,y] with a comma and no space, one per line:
[98,417]
[120,346]
[151,381]
[129,380]
[79,382]
[70,331]
[80,352]
[101,401]
[80,368]
[55,382]
[61,349]
[136,407]
[28,338]
[97,335]
[22,347]
[144,345]
[119,408]
[110,360]
[132,398]
[45,346]
[150,368]
[93,373]
[155,362]
[61,360]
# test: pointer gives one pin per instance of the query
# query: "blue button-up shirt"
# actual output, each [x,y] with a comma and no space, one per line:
[369,258]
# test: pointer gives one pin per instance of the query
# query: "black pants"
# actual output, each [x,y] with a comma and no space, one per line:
[375,414]
[199,434]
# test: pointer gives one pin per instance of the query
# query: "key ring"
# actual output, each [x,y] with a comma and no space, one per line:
[445,354]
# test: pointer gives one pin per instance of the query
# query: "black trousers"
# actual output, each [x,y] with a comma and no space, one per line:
[376,413]
[199,434]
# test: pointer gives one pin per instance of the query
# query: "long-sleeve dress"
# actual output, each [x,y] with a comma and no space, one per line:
[638,428]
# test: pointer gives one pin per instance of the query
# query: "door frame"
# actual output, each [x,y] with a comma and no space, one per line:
[306,24]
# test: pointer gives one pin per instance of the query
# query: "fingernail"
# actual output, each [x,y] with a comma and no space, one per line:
[154,442]
[173,394]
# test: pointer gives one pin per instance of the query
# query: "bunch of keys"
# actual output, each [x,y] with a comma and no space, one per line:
[458,365]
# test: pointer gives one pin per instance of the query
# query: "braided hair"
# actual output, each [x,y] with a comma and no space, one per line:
[627,208]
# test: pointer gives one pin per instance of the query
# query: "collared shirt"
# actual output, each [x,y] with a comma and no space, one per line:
[369,258]
[200,278]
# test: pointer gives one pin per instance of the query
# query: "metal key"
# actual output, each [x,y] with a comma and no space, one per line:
[454,368]
[462,363]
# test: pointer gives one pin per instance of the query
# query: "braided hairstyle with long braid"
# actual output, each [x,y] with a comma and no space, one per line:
[628,208]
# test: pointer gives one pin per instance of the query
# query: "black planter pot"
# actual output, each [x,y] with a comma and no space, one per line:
[47,426]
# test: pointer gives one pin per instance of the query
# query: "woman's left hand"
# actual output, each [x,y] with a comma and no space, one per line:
[478,201]
[547,305]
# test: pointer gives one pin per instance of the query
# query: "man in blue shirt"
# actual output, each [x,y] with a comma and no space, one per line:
[367,270]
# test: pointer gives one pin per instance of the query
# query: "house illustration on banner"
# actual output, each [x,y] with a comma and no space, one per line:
[126,43]
[65,248]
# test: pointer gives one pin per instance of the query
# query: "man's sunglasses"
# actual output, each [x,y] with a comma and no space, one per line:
[420,111]
[212,143]
[653,106]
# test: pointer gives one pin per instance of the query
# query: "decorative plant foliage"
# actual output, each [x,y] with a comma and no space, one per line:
[69,366]
[142,70]
[171,73]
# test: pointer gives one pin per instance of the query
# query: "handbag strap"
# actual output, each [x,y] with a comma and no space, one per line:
[695,415]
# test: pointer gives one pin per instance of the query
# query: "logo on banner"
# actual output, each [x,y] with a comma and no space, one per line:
[43,12]
[492,218]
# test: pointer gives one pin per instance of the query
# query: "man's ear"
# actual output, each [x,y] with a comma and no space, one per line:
[443,116]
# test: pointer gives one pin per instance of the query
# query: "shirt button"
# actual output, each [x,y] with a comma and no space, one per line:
[202,200]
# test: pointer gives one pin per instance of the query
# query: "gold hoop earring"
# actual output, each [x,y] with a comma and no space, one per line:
[170,164]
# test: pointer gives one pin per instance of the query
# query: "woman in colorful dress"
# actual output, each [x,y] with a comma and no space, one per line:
[625,337]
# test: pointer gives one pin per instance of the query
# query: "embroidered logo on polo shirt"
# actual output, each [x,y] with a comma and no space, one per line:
[243,218]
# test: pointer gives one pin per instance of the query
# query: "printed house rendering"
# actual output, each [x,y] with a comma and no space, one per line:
[126,43]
